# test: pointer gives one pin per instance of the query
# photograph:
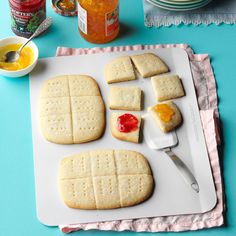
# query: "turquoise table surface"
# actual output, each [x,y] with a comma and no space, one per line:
[17,197]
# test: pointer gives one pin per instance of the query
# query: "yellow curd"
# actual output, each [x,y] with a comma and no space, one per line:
[26,57]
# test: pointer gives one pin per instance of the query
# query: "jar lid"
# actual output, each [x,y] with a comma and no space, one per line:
[65,7]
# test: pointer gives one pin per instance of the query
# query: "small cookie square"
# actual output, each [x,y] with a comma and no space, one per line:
[149,64]
[82,85]
[125,98]
[87,126]
[103,162]
[131,186]
[55,87]
[130,162]
[167,87]
[125,126]
[78,193]
[57,128]
[167,116]
[119,70]
[54,106]
[76,166]
[106,191]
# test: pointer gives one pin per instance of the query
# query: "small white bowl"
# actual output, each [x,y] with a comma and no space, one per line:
[28,69]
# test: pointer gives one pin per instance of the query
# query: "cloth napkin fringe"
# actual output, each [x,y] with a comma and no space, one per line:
[217,12]
[196,19]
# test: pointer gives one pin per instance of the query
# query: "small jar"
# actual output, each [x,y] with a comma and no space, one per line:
[98,20]
[26,16]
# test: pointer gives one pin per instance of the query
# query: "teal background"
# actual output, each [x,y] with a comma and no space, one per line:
[17,197]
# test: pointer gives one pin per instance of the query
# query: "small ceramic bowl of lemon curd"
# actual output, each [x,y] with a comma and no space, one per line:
[26,62]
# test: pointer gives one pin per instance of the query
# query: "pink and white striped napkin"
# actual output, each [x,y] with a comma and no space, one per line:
[205,86]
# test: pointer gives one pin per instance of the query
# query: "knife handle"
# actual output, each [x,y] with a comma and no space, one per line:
[183,170]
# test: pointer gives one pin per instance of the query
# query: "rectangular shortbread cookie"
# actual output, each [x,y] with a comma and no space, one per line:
[119,70]
[167,87]
[125,98]
[105,179]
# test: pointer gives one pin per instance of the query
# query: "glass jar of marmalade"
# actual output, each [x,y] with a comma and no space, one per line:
[26,16]
[98,20]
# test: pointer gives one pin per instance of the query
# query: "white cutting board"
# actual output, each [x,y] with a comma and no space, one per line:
[171,195]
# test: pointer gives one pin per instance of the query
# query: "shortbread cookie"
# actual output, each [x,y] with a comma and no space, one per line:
[119,70]
[125,98]
[167,87]
[125,126]
[149,64]
[167,116]
[71,109]
[105,179]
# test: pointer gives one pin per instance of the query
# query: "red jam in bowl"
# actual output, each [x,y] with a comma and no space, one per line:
[127,123]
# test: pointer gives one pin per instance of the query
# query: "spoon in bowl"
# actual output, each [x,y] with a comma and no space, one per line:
[13,56]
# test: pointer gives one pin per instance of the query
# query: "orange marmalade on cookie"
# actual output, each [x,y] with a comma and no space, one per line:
[164,111]
[98,20]
[26,57]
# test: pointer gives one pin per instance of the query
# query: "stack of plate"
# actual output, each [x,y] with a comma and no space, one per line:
[179,5]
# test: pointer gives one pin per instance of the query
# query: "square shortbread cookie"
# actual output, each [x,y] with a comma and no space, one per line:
[149,64]
[167,116]
[119,70]
[71,109]
[105,179]
[167,87]
[125,98]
